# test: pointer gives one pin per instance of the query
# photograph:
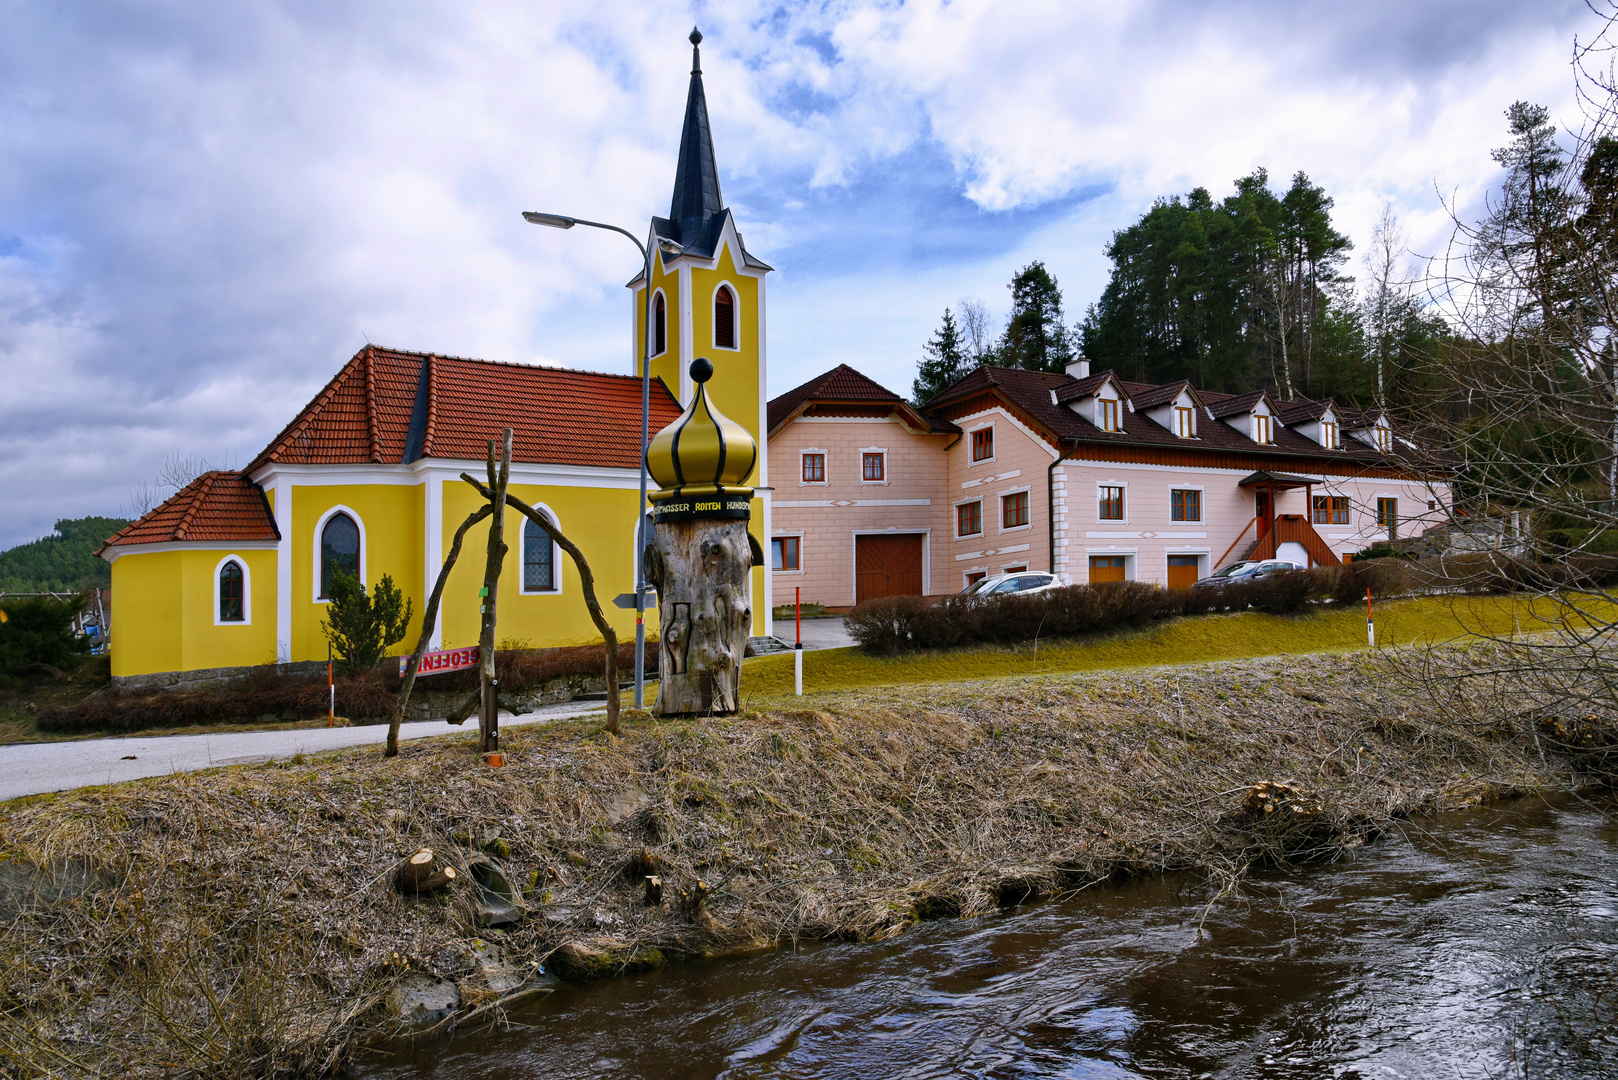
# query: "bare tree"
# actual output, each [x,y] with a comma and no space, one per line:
[974,322]
[176,472]
[1388,298]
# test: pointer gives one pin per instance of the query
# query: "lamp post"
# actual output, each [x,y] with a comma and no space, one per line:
[559,221]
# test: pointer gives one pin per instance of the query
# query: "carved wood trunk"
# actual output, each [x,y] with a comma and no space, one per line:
[701,571]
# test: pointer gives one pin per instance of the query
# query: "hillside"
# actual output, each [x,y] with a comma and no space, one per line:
[63,561]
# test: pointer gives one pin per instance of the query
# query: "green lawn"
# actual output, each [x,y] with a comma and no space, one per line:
[1178,641]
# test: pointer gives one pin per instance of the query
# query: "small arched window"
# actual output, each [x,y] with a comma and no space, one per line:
[660,326]
[339,552]
[538,559]
[724,319]
[232,607]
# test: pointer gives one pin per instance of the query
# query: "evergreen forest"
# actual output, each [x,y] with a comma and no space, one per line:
[63,562]
[1245,292]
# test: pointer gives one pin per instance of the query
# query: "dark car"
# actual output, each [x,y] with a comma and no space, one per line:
[1247,570]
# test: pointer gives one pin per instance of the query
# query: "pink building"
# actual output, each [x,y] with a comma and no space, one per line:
[1091,476]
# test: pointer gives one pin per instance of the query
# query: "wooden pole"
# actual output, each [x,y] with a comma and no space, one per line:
[587,582]
[429,619]
[499,475]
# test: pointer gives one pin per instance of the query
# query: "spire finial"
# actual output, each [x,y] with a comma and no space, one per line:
[696,51]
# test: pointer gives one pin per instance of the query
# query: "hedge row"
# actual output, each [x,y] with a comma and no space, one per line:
[367,697]
[895,623]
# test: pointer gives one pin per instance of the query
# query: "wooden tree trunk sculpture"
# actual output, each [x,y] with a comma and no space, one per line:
[700,570]
[701,558]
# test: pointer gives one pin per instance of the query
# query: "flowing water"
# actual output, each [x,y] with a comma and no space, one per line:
[1478,944]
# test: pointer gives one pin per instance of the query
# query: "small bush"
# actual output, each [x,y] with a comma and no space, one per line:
[37,630]
[886,625]
[1281,593]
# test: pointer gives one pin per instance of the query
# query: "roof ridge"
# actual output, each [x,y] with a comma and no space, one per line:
[197,496]
[432,406]
[370,404]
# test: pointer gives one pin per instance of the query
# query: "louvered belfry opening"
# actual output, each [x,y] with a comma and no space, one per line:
[724,319]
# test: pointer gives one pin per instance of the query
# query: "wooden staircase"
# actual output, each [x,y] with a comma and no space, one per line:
[1294,528]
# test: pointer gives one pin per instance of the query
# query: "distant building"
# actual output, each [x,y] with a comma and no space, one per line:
[1088,475]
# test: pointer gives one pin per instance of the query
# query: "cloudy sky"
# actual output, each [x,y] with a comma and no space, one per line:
[206,208]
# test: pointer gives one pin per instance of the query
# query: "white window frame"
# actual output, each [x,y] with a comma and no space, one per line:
[1202,508]
[651,330]
[994,445]
[883,450]
[1329,494]
[735,314]
[556,554]
[320,527]
[1001,515]
[798,536]
[825,466]
[1097,504]
[955,526]
[247,591]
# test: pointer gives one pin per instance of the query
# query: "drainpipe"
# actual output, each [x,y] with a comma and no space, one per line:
[1050,495]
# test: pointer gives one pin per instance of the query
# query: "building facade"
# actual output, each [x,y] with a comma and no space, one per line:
[1087,475]
[235,570]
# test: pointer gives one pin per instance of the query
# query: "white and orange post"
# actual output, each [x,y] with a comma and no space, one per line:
[1370,624]
[797,649]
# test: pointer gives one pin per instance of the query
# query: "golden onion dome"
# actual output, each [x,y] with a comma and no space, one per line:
[704,451]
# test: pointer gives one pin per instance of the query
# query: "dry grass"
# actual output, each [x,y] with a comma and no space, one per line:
[240,922]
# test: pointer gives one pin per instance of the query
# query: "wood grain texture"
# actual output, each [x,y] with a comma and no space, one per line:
[701,571]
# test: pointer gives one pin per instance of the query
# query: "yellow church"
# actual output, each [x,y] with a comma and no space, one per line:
[234,571]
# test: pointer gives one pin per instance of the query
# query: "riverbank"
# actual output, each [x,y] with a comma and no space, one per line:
[242,921]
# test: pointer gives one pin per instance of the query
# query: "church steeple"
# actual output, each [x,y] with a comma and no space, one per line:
[696,181]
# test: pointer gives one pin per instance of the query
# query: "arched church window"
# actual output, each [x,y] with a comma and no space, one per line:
[660,326]
[231,601]
[724,319]
[538,559]
[339,552]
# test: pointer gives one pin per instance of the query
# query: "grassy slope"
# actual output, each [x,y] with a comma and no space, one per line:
[1179,641]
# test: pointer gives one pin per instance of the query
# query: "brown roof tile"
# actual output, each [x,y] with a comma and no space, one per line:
[216,507]
[387,406]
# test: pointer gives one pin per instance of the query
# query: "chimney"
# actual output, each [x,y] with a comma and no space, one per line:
[1079,369]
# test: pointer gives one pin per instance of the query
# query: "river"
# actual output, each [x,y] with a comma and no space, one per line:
[1482,943]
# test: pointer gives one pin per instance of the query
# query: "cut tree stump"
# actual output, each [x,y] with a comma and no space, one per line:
[418,875]
[700,570]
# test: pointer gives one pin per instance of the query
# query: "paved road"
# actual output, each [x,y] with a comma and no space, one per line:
[817,633]
[32,768]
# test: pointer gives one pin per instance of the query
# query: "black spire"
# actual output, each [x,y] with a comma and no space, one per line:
[696,182]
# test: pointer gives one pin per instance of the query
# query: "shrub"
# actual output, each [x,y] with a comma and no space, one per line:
[360,627]
[361,699]
[36,630]
[1281,593]
[887,624]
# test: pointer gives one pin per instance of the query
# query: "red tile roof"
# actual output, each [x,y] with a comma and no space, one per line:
[217,506]
[387,406]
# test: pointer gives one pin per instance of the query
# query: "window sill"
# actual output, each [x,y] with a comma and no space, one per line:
[1016,528]
[875,483]
[981,461]
[970,536]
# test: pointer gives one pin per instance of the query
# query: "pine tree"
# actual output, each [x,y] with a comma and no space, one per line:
[1035,337]
[943,361]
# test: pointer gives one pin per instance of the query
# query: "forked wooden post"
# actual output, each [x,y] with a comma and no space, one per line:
[499,476]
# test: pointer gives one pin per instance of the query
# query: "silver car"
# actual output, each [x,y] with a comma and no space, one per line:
[1028,581]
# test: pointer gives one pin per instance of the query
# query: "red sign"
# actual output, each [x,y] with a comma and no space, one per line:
[436,663]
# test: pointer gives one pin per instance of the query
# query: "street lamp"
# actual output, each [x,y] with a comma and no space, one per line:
[561,221]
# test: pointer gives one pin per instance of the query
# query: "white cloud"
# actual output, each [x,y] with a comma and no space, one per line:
[204,209]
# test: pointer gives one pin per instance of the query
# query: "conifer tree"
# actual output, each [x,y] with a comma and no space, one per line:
[1035,336]
[943,361]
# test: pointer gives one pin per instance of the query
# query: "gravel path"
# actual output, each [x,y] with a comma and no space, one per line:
[32,768]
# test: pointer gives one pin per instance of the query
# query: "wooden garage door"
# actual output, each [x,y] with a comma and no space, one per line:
[1106,568]
[1182,571]
[887,566]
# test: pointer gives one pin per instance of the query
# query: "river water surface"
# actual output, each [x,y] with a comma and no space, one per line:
[1478,944]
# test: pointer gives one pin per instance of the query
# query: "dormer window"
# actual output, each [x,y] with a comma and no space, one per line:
[1184,422]
[1384,439]
[1328,435]
[1109,415]
[724,319]
[1261,428]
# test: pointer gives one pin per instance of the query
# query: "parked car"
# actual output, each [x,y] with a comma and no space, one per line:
[1025,582]
[1246,570]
